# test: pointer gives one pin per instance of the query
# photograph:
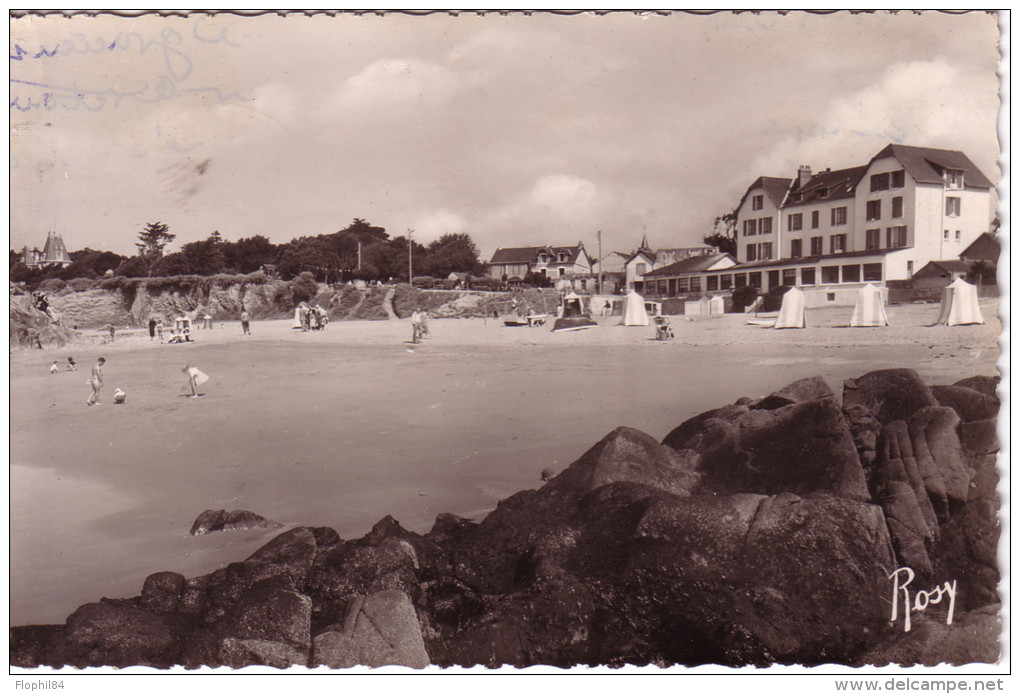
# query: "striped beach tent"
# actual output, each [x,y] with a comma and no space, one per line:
[791,313]
[869,311]
[960,305]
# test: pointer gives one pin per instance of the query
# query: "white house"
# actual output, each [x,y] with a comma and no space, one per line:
[832,231]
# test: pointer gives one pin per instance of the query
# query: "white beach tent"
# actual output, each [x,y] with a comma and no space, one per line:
[869,310]
[791,313]
[959,305]
[634,312]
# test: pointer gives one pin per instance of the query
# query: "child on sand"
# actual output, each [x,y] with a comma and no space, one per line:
[195,378]
[71,366]
[96,382]
[119,396]
[54,367]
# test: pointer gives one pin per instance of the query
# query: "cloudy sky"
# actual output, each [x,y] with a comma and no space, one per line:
[518,130]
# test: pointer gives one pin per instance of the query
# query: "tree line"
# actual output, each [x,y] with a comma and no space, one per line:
[360,251]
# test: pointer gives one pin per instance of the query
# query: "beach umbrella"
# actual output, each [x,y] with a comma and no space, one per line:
[869,310]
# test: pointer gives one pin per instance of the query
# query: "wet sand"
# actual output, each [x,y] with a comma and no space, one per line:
[344,426]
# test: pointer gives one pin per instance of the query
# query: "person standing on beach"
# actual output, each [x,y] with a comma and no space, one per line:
[96,382]
[152,329]
[195,378]
[416,326]
[245,319]
[112,330]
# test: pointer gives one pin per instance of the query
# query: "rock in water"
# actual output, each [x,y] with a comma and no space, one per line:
[212,521]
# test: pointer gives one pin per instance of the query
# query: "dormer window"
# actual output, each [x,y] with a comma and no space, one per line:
[823,192]
[954,179]
[543,258]
[757,202]
[561,258]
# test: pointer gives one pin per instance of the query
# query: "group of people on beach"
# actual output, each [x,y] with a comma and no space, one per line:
[419,325]
[311,317]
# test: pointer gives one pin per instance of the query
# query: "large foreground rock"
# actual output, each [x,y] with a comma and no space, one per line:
[801,447]
[760,532]
[377,630]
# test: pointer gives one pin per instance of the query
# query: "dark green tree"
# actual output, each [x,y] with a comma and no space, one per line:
[451,253]
[303,287]
[153,239]
[724,234]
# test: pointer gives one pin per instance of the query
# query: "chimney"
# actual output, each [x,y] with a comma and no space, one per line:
[803,175]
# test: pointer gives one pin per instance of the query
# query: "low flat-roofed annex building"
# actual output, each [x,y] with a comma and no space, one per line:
[682,278]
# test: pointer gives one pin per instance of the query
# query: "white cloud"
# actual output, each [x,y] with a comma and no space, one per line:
[400,81]
[564,193]
[919,103]
[429,226]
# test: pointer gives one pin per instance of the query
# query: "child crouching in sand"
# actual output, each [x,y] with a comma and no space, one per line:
[195,378]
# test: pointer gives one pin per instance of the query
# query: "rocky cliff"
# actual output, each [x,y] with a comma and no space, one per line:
[124,302]
[762,532]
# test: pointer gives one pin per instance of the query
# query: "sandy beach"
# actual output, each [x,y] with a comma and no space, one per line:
[344,426]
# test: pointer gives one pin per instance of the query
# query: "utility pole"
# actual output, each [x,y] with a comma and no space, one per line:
[410,272]
[359,254]
[600,261]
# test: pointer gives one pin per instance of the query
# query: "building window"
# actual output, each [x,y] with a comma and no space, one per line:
[740,280]
[790,277]
[957,234]
[816,245]
[712,283]
[954,179]
[851,273]
[830,274]
[874,210]
[879,182]
[795,222]
[725,281]
[683,284]
[872,239]
[952,207]
[765,251]
[830,296]
[896,237]
[795,248]
[815,219]
[765,225]
[757,202]
[562,271]
[837,243]
[897,207]
[897,179]
[749,227]
[910,268]
[752,253]
[754,279]
[640,269]
[872,272]
[695,284]
[807,275]
[838,216]
[945,234]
